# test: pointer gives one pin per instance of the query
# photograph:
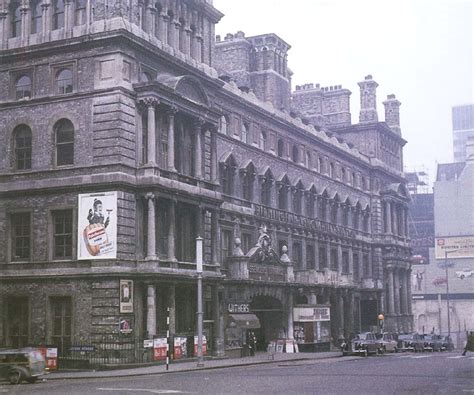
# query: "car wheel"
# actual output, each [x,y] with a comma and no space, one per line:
[366,353]
[14,377]
[461,277]
[395,349]
[32,380]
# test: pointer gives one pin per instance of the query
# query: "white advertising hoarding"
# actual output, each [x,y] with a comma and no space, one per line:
[97,226]
[457,247]
[311,314]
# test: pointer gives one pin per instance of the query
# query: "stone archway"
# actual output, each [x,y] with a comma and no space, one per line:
[270,312]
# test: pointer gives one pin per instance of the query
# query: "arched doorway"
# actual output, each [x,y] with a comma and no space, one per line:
[269,311]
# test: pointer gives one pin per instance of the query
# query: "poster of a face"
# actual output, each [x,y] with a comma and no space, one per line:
[126,296]
[97,226]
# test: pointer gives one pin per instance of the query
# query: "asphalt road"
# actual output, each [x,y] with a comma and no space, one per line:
[426,373]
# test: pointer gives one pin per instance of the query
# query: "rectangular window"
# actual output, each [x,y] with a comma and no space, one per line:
[62,234]
[21,236]
[355,262]
[334,262]
[310,262]
[297,263]
[226,244]
[345,262]
[61,320]
[163,227]
[323,258]
[186,232]
[246,242]
[18,321]
[366,264]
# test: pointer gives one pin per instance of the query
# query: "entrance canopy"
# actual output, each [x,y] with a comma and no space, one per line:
[245,321]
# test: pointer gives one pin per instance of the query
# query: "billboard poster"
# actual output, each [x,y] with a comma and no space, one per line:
[97,226]
[456,247]
[126,296]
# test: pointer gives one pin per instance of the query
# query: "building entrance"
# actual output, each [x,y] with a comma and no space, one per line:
[269,311]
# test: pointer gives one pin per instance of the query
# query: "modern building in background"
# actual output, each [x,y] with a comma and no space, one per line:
[127,130]
[463,129]
[454,233]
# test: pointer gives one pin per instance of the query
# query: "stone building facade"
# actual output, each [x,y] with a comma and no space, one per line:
[139,99]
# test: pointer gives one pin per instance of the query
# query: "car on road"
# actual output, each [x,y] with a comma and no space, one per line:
[24,364]
[465,273]
[364,343]
[446,343]
[432,342]
[388,342]
[410,342]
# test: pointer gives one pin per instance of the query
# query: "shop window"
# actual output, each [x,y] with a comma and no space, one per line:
[62,234]
[23,147]
[21,236]
[64,136]
[23,87]
[61,323]
[17,321]
[58,14]
[36,16]
[64,81]
[15,12]
[226,244]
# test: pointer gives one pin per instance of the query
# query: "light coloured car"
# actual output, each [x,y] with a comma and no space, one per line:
[465,273]
[388,342]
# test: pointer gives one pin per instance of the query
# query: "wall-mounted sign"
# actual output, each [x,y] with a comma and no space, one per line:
[126,296]
[456,247]
[125,325]
[238,308]
[97,226]
[311,314]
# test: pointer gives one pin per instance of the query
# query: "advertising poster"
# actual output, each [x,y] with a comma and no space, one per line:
[160,348]
[454,247]
[204,345]
[125,325]
[97,226]
[126,296]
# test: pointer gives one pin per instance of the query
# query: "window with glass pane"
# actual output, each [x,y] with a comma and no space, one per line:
[226,243]
[323,258]
[61,319]
[334,261]
[64,143]
[80,12]
[23,144]
[355,263]
[62,234]
[246,242]
[247,185]
[310,258]
[58,14]
[245,132]
[297,255]
[17,321]
[36,16]
[23,87]
[345,262]
[15,11]
[64,81]
[263,141]
[21,236]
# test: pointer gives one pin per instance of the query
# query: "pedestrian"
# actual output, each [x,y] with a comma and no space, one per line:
[469,343]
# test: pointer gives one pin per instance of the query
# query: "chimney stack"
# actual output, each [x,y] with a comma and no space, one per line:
[368,100]
[392,113]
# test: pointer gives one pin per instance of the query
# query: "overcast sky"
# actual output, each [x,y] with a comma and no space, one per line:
[420,50]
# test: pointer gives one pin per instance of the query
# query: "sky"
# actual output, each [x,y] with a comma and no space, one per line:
[419,50]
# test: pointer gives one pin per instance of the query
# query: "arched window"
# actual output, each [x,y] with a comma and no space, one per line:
[331,170]
[36,16]
[298,198]
[295,154]
[356,217]
[309,160]
[79,12]
[64,83]
[262,142]
[334,211]
[266,189]
[58,14]
[64,139]
[283,191]
[364,184]
[223,123]
[15,11]
[322,207]
[227,176]
[248,178]
[245,132]
[343,174]
[23,145]
[345,214]
[366,220]
[310,200]
[320,165]
[281,148]
[23,87]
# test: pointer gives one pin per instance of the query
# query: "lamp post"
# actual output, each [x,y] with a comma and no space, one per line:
[447,289]
[200,313]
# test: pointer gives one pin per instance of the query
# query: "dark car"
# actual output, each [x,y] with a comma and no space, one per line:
[446,343]
[363,343]
[25,364]
[410,342]
[432,343]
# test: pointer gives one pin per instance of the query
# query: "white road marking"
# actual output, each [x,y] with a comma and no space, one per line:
[422,356]
[151,391]
[456,357]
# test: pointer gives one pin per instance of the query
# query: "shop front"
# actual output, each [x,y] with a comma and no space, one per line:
[240,330]
[312,327]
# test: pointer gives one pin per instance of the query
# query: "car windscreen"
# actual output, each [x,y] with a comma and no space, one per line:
[405,337]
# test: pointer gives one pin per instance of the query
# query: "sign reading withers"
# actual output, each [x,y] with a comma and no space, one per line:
[97,226]
[457,247]
[311,314]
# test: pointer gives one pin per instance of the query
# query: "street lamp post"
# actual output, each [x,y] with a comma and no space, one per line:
[200,313]
[447,291]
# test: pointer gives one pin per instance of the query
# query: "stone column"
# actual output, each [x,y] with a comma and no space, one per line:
[150,19]
[408,285]
[171,231]
[394,220]
[45,20]
[198,147]
[218,322]
[388,217]
[396,294]
[3,29]
[150,103]
[350,318]
[213,131]
[339,258]
[391,300]
[25,25]
[341,312]
[214,238]
[163,26]
[312,298]
[172,306]
[290,315]
[176,25]
[68,18]
[351,261]
[403,291]
[151,235]
[171,143]
[151,311]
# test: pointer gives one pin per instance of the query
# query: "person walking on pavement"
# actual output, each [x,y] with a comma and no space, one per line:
[469,343]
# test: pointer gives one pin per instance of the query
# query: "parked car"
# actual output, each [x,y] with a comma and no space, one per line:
[388,342]
[446,343]
[432,343]
[25,364]
[410,342]
[363,343]
[465,273]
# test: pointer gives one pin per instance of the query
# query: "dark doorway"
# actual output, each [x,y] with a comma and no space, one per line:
[270,312]
[368,314]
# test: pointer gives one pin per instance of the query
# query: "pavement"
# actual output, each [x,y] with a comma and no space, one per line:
[187,366]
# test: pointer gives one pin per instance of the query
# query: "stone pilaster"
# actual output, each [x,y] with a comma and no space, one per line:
[403,292]
[3,29]
[290,315]
[391,300]
[198,146]
[171,231]
[151,235]
[408,285]
[171,141]
[396,295]
[151,311]
[172,306]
